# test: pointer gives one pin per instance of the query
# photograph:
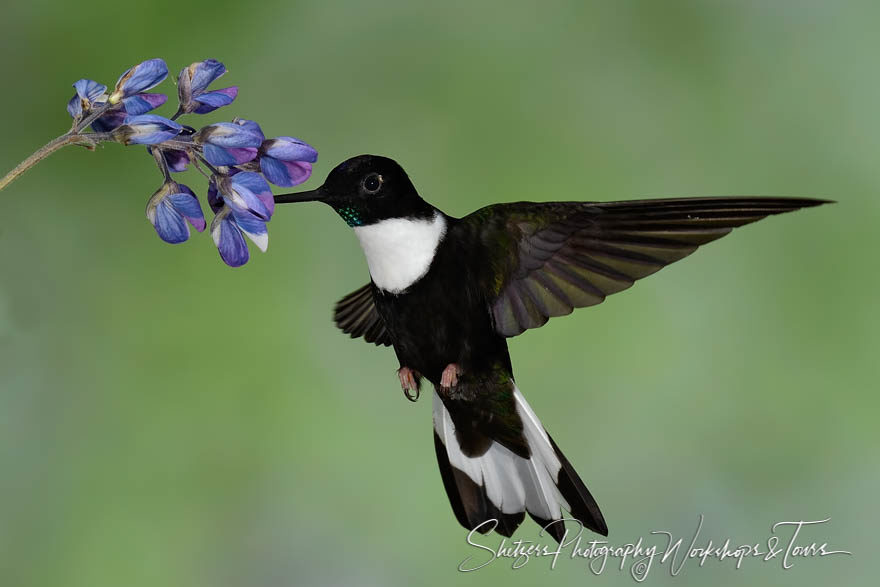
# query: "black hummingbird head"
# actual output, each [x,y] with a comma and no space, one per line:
[367,189]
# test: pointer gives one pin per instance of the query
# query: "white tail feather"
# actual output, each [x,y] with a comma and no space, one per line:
[512,483]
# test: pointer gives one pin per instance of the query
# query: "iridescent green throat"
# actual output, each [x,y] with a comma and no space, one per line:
[350,216]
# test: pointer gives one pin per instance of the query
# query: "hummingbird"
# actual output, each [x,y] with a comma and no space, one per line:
[446,293]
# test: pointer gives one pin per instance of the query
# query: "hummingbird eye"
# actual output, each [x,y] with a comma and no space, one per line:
[372,183]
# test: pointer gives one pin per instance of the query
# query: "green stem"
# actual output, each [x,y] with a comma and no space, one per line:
[45,151]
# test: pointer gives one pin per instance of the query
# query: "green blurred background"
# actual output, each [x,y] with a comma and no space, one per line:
[167,420]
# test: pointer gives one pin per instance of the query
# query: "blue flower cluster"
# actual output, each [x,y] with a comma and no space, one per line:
[235,157]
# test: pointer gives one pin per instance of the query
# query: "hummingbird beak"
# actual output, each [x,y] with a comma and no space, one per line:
[314,195]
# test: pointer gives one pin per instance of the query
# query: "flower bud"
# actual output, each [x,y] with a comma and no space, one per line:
[230,143]
[247,192]
[287,161]
[139,78]
[146,129]
[193,83]
[169,210]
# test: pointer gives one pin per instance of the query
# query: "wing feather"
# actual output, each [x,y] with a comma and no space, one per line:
[356,315]
[570,255]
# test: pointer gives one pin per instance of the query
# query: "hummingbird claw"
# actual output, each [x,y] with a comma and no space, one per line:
[449,377]
[409,381]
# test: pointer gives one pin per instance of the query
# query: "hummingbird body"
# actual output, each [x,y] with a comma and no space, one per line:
[446,293]
[428,299]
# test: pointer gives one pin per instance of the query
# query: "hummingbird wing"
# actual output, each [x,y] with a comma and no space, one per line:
[356,315]
[545,259]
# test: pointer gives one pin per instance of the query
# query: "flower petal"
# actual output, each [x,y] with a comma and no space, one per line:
[211,101]
[75,106]
[220,156]
[255,183]
[177,160]
[187,205]
[139,78]
[107,122]
[194,81]
[87,92]
[152,118]
[289,149]
[205,72]
[143,103]
[149,135]
[250,126]
[214,199]
[89,89]
[230,135]
[238,195]
[254,228]
[285,173]
[169,224]
[146,129]
[228,239]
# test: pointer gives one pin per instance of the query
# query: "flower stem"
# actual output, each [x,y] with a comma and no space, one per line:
[163,165]
[213,169]
[45,151]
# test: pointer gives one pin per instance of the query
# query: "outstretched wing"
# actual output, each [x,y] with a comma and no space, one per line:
[545,259]
[356,314]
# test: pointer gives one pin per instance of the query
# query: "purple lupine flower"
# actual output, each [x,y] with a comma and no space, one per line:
[287,161]
[169,210]
[139,78]
[193,83]
[240,197]
[196,78]
[131,106]
[228,230]
[247,193]
[176,160]
[87,93]
[230,226]
[146,129]
[230,143]
[113,118]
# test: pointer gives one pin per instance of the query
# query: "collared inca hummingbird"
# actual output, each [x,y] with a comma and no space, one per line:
[448,292]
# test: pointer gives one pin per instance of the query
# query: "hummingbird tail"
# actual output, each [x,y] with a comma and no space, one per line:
[493,487]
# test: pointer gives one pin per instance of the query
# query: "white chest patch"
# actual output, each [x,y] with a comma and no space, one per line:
[399,251]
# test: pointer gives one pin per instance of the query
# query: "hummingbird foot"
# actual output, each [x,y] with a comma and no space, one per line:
[449,377]
[409,382]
